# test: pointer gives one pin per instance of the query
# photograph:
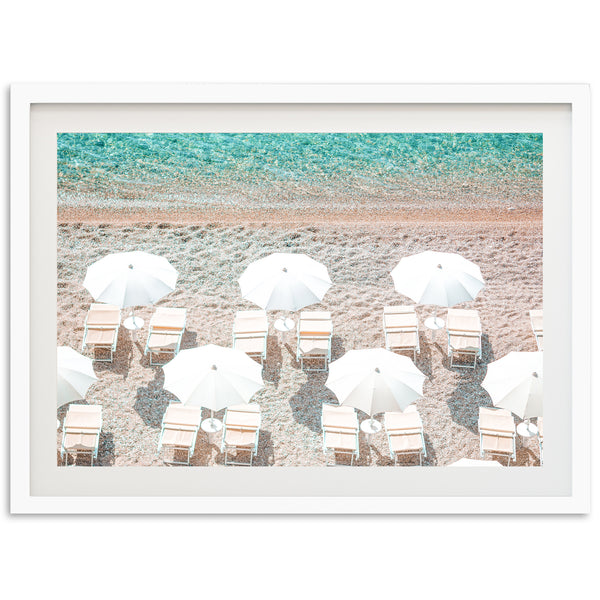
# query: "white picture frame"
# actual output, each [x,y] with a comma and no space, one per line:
[575,463]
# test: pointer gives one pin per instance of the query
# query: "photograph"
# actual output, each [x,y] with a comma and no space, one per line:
[299,299]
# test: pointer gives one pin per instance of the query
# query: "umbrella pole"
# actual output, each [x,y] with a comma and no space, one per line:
[212,419]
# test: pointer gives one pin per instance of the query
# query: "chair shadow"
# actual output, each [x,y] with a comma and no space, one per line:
[274,362]
[122,356]
[265,455]
[469,395]
[526,457]
[423,361]
[431,458]
[106,450]
[105,458]
[337,347]
[189,339]
[307,402]
[206,446]
[152,400]
[487,352]
[368,452]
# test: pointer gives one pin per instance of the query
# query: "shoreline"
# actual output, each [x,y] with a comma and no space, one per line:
[518,217]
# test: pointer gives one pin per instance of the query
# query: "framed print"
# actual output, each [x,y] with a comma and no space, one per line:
[300,298]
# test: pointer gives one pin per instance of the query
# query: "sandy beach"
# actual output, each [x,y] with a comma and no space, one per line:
[210,250]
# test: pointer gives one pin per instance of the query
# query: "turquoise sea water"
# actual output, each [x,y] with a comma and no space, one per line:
[136,165]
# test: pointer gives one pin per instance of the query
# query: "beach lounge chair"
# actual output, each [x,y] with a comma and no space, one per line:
[540,426]
[165,332]
[315,329]
[401,329]
[405,434]
[101,329]
[497,433]
[537,324]
[81,432]
[178,433]
[464,337]
[340,431]
[250,328]
[241,427]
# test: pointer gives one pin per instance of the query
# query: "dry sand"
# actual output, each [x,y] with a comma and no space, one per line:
[210,254]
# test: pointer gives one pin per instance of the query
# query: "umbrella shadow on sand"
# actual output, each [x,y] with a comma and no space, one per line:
[151,401]
[469,395]
[307,402]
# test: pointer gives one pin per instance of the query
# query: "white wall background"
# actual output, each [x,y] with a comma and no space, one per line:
[311,41]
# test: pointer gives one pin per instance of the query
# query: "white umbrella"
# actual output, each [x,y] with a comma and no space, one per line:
[213,377]
[515,382]
[470,462]
[74,375]
[130,279]
[375,381]
[438,278]
[284,281]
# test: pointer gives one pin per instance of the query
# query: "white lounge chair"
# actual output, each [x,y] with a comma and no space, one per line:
[497,433]
[178,433]
[81,432]
[401,329]
[405,434]
[315,330]
[537,324]
[101,329]
[464,337]
[165,332]
[241,427]
[340,431]
[250,328]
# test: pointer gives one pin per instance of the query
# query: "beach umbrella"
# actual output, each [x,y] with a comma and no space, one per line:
[515,382]
[213,377]
[470,462]
[74,375]
[438,278]
[374,381]
[130,279]
[283,281]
